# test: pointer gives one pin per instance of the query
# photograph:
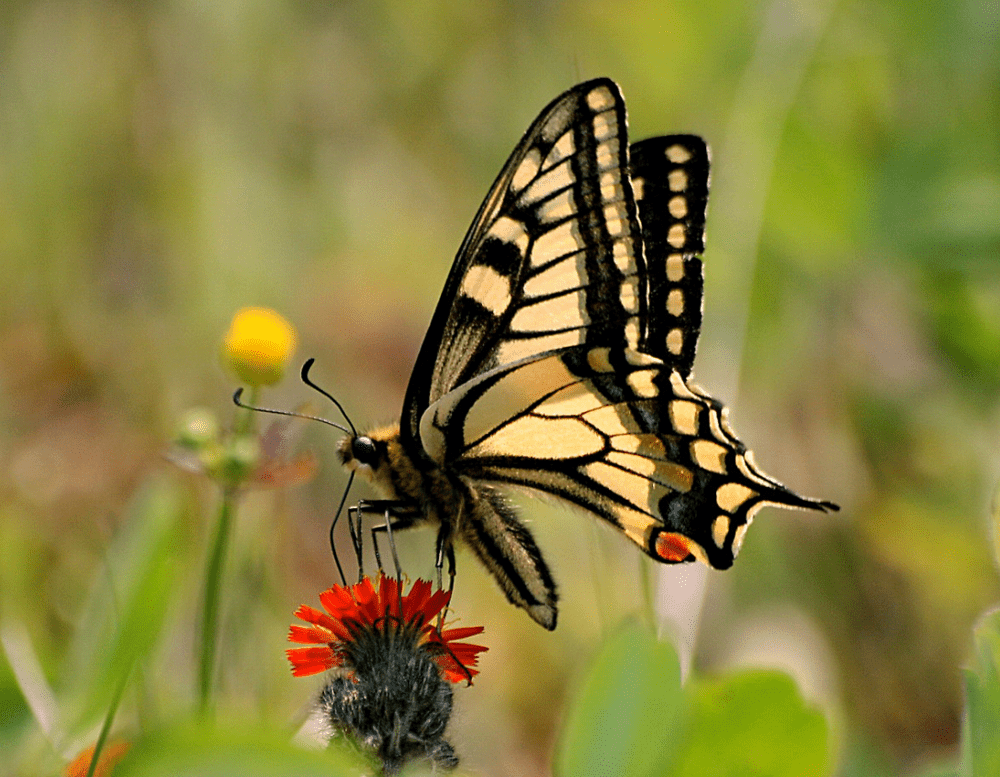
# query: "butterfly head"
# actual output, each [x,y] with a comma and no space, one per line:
[370,454]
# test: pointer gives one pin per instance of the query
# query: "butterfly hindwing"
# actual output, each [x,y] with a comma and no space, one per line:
[670,182]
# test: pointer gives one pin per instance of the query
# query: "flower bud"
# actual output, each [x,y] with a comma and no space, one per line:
[258,345]
[241,457]
[198,428]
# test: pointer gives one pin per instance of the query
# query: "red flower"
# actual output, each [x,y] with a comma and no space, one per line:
[360,611]
[112,753]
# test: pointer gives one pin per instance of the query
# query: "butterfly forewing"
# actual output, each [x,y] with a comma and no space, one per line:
[553,259]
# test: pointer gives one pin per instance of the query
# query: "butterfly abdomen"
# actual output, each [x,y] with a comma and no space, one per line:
[505,546]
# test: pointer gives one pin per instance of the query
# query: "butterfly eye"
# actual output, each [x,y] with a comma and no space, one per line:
[364,451]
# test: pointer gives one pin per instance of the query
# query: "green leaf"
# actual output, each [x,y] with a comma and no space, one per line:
[982,690]
[627,712]
[754,724]
[131,594]
[220,751]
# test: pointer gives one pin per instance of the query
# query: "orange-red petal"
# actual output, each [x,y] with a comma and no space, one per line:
[467,655]
[368,604]
[467,650]
[437,602]
[388,597]
[312,660]
[334,625]
[366,599]
[310,635]
[461,633]
[312,615]
[337,599]
[417,598]
[454,671]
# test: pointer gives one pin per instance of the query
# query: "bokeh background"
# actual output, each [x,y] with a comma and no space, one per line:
[165,163]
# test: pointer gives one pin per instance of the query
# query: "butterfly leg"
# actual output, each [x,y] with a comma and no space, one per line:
[439,556]
[445,548]
[354,525]
[392,547]
[398,515]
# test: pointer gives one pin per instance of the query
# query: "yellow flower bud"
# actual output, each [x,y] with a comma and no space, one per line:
[258,345]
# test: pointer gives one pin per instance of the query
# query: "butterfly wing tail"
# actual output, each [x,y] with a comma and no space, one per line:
[788,498]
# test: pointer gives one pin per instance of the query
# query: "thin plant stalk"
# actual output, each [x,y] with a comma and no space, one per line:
[213,573]
[210,605]
[102,738]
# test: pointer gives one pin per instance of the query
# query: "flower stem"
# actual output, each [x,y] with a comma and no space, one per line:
[213,573]
[102,738]
[210,603]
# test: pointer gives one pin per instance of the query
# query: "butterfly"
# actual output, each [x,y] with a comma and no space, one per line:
[559,358]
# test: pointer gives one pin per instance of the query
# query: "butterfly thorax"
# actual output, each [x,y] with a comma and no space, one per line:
[424,491]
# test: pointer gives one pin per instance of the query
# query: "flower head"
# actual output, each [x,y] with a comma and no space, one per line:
[393,695]
[351,611]
[258,345]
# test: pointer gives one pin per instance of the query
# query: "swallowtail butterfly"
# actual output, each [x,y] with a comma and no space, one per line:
[559,360]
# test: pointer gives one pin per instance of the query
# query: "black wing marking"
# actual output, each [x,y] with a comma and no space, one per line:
[670,182]
[553,259]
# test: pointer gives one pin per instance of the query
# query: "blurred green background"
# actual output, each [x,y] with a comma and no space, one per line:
[165,163]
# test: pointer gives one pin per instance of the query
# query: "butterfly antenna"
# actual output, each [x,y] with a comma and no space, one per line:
[305,379]
[238,401]
[355,534]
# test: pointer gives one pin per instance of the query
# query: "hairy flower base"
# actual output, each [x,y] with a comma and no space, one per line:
[353,610]
[394,694]
[395,703]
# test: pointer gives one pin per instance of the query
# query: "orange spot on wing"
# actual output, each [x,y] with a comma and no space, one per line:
[673,547]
